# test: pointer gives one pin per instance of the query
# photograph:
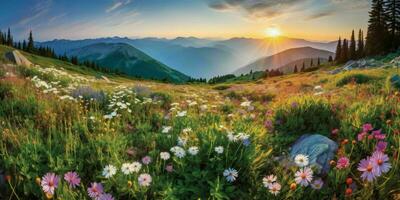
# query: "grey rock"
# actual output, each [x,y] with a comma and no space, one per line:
[319,149]
[395,81]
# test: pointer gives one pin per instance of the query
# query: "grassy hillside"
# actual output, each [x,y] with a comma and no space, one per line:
[192,141]
[129,60]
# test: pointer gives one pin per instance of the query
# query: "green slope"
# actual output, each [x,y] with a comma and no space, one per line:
[129,60]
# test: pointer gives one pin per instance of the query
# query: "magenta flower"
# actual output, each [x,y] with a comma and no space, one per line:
[361,136]
[367,127]
[381,146]
[72,179]
[106,197]
[96,190]
[380,162]
[50,183]
[378,134]
[368,170]
[146,160]
[343,163]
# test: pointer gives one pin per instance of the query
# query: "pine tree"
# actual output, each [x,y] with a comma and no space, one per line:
[30,47]
[303,68]
[295,69]
[319,62]
[9,38]
[344,57]
[360,44]
[392,14]
[312,62]
[330,59]
[377,30]
[338,50]
[352,48]
[1,38]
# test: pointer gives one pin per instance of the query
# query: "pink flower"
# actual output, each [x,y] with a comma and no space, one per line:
[95,190]
[367,127]
[335,132]
[50,183]
[343,163]
[380,162]
[381,146]
[146,160]
[144,180]
[304,176]
[378,134]
[361,136]
[368,170]
[169,168]
[72,179]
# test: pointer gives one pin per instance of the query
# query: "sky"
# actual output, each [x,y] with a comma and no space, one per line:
[317,20]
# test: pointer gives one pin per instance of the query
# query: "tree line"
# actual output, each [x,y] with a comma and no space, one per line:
[7,39]
[383,34]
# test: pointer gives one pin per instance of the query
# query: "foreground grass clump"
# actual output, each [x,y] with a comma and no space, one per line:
[357,78]
[303,115]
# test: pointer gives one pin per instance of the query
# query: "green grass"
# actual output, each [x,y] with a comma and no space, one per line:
[40,134]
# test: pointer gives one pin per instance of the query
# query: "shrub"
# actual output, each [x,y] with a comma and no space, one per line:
[2,73]
[356,78]
[221,87]
[301,115]
[165,98]
[5,90]
[19,109]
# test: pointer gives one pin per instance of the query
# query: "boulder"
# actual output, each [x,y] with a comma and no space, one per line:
[19,59]
[319,149]
[395,81]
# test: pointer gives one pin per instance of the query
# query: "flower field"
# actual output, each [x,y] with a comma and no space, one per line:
[71,135]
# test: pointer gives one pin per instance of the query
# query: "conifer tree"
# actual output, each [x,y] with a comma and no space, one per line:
[30,47]
[344,57]
[312,62]
[392,14]
[295,69]
[303,68]
[360,44]
[330,59]
[319,62]
[377,30]
[9,38]
[352,48]
[338,50]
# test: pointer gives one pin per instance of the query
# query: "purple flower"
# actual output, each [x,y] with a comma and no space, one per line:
[381,146]
[106,197]
[294,104]
[96,190]
[246,142]
[317,184]
[367,127]
[380,162]
[146,160]
[368,170]
[72,179]
[50,183]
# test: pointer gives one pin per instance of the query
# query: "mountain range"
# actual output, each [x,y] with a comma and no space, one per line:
[197,57]
[283,58]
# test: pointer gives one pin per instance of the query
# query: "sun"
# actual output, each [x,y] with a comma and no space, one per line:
[273,32]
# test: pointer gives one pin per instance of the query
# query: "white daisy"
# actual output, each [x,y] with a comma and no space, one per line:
[135,167]
[230,174]
[165,155]
[219,149]
[301,160]
[166,129]
[126,168]
[109,171]
[144,180]
[193,150]
[268,180]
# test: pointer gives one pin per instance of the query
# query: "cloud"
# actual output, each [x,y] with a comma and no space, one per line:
[40,9]
[320,15]
[257,8]
[117,5]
